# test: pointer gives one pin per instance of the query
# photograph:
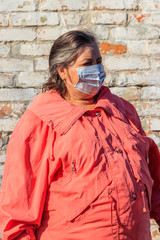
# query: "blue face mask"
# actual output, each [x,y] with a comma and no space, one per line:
[90,79]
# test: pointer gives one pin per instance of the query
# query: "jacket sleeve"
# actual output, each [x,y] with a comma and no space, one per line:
[154,167]
[26,178]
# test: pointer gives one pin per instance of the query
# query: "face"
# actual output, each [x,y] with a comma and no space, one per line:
[89,55]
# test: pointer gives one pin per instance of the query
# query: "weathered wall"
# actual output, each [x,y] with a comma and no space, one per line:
[128,31]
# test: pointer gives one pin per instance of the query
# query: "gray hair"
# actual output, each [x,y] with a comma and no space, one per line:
[64,51]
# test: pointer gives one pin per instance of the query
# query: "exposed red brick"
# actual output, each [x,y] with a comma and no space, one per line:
[99,8]
[111,48]
[5,110]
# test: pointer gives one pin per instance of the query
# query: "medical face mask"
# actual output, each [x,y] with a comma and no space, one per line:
[90,79]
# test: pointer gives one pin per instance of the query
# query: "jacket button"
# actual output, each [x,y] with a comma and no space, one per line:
[98,114]
[118,150]
[134,196]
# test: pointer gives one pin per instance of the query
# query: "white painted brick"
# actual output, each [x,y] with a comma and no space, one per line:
[63,5]
[101,31]
[35,49]
[15,34]
[41,64]
[149,5]
[18,5]
[31,79]
[7,125]
[115,79]
[144,17]
[4,50]
[34,19]
[125,63]
[4,20]
[2,156]
[155,63]
[104,17]
[1,170]
[14,95]
[18,109]
[114,4]
[154,124]
[147,108]
[48,33]
[137,32]
[16,65]
[70,19]
[150,92]
[131,93]
[6,80]
[149,47]
[156,138]
[143,78]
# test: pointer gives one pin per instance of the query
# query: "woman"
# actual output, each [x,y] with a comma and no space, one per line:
[79,165]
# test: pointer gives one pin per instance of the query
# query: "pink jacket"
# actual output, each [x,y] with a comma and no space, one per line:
[61,158]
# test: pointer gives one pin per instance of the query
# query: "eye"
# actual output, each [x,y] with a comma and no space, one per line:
[88,63]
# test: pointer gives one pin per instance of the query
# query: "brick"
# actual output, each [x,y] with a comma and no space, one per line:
[4,51]
[63,5]
[114,4]
[143,78]
[15,95]
[129,94]
[34,19]
[149,47]
[156,137]
[154,124]
[125,63]
[31,79]
[107,48]
[1,170]
[137,32]
[41,64]
[14,34]
[7,125]
[148,108]
[4,20]
[70,19]
[104,17]
[16,65]
[149,5]
[18,109]
[143,17]
[18,5]
[101,31]
[5,110]
[2,156]
[6,80]
[115,79]
[35,49]
[150,92]
[155,63]
[48,33]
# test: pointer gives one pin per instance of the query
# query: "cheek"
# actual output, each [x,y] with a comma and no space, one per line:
[72,76]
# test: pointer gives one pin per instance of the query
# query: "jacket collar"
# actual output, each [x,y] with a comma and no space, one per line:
[50,107]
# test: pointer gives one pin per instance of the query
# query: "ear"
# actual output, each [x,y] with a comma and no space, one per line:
[62,72]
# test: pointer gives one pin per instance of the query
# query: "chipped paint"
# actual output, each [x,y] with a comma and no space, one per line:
[140,17]
[43,19]
[106,48]
[64,6]
[99,8]
[132,72]
[5,110]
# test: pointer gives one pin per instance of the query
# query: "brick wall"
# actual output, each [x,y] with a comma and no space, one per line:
[129,35]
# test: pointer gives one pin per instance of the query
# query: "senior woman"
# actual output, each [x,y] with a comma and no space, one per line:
[78,164]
